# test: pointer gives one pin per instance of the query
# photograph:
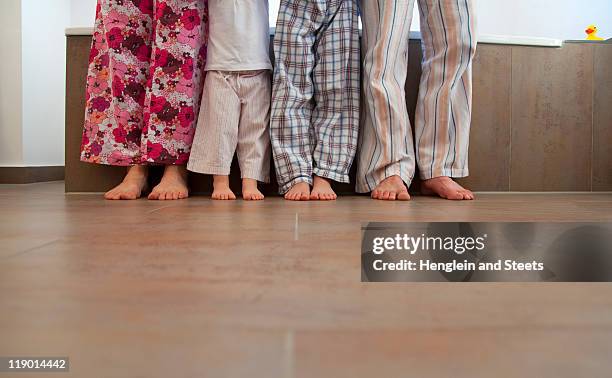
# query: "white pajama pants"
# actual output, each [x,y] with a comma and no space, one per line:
[234,118]
[442,122]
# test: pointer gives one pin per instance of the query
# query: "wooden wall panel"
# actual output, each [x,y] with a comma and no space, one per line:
[552,118]
[489,156]
[602,119]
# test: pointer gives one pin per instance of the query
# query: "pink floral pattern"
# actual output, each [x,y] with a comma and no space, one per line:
[145,81]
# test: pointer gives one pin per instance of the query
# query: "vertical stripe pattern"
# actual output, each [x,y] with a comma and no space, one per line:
[443,114]
[234,118]
[315,101]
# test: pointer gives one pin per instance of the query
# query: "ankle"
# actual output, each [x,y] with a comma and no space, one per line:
[394,178]
[175,170]
[249,183]
[221,181]
[137,172]
[438,178]
[321,180]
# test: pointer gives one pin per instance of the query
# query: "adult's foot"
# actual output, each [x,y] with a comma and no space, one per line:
[299,192]
[221,189]
[391,189]
[132,186]
[322,190]
[447,188]
[173,185]
[250,192]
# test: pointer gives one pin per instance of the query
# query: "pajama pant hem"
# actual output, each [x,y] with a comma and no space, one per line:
[130,164]
[286,187]
[365,186]
[453,173]
[335,176]
[208,169]
[255,175]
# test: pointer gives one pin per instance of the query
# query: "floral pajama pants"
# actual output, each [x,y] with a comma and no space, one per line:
[145,81]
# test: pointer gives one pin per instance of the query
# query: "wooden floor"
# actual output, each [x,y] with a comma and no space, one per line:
[216,289]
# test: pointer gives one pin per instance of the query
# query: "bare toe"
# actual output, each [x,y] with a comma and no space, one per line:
[447,188]
[128,196]
[403,196]
[391,189]
[111,195]
[322,189]
[299,192]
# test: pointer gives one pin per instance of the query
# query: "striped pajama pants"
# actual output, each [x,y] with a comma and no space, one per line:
[315,102]
[443,114]
[234,119]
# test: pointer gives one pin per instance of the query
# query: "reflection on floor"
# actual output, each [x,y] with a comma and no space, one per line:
[232,289]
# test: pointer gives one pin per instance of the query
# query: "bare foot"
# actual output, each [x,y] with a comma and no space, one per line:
[322,190]
[299,192]
[173,185]
[221,189]
[391,189]
[250,191]
[134,183]
[447,188]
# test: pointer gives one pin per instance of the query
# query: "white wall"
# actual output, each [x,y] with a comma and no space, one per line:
[82,12]
[11,152]
[32,82]
[44,80]
[562,19]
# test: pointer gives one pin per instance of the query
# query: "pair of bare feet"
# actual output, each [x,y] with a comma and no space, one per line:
[222,190]
[173,185]
[321,191]
[393,188]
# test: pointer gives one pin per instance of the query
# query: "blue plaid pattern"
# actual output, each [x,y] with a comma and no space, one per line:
[315,99]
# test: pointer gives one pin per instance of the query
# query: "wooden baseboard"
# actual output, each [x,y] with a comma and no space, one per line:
[29,175]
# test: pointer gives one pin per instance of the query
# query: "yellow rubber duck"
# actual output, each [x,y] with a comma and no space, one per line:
[591,31]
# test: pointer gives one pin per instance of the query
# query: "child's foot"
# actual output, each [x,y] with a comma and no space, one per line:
[322,190]
[221,189]
[391,189]
[447,188]
[134,183]
[173,185]
[250,192]
[299,192]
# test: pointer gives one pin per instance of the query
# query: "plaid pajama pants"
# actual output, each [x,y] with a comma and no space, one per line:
[315,100]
